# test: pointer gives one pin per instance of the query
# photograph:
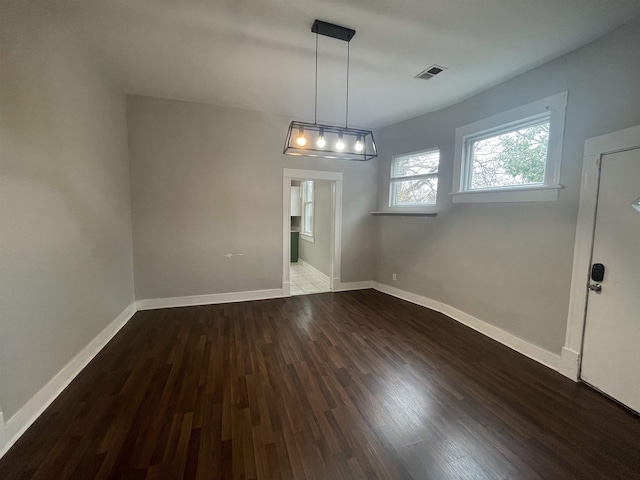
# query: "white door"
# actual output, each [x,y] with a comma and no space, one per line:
[611,353]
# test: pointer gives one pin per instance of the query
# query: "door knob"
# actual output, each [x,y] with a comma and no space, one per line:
[595,287]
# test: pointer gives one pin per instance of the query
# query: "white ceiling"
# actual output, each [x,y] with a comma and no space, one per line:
[259,54]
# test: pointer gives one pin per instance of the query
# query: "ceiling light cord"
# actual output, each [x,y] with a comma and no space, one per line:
[346,118]
[315,105]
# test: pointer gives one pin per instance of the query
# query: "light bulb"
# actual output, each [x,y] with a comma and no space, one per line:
[340,142]
[359,145]
[321,142]
[301,140]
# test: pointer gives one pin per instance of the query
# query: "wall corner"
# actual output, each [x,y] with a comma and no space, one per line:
[3,435]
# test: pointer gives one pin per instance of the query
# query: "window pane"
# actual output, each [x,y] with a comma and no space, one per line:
[518,157]
[308,191]
[308,218]
[418,164]
[412,192]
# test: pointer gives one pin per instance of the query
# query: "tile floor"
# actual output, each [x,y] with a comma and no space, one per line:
[305,281]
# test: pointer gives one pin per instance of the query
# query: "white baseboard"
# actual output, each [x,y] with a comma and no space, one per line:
[313,269]
[570,364]
[339,286]
[23,418]
[527,349]
[154,303]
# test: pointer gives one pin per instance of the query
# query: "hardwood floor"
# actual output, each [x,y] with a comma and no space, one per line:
[327,386]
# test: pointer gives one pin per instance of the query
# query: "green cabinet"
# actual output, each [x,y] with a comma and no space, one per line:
[295,238]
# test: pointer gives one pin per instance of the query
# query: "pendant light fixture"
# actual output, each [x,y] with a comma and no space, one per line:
[330,141]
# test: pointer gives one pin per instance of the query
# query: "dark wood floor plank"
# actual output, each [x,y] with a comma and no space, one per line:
[328,386]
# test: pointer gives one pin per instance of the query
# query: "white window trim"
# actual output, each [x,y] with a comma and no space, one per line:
[303,235]
[414,207]
[553,106]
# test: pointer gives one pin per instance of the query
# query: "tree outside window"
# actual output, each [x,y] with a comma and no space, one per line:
[516,157]
[414,179]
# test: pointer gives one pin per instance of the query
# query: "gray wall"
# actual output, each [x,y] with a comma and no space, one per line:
[65,241]
[318,253]
[509,264]
[206,182]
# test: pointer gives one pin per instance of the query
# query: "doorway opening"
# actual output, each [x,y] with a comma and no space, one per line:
[312,213]
[310,236]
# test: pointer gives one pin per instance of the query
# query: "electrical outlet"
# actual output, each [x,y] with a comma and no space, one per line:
[394,277]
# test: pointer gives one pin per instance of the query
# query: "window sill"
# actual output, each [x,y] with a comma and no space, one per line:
[508,195]
[405,213]
[307,238]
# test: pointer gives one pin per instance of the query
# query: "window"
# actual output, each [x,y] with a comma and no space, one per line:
[511,157]
[414,179]
[307,210]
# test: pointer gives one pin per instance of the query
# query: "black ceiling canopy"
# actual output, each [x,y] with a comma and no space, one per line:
[333,31]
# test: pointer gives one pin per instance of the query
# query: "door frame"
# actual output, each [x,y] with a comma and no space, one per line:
[289,174]
[594,149]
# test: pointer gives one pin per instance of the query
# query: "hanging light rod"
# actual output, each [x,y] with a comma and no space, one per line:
[333,31]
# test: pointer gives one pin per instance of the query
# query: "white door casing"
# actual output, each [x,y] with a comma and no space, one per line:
[612,326]
[595,149]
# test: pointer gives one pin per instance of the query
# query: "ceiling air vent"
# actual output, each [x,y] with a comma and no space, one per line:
[430,72]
